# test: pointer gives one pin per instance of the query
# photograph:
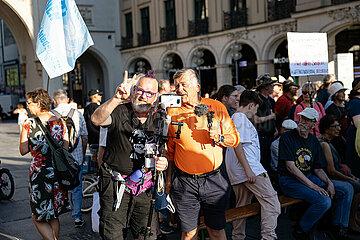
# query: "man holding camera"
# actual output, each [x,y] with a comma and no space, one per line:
[196,158]
[130,128]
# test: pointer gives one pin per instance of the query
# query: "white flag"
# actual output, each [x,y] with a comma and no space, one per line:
[62,38]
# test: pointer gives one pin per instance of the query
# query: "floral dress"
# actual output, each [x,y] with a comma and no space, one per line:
[47,199]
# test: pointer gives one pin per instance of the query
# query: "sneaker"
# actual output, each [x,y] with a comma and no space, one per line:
[339,233]
[165,228]
[161,237]
[299,234]
[79,223]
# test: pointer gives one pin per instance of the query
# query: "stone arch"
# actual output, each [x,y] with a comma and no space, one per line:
[189,57]
[131,65]
[103,64]
[271,45]
[130,60]
[224,55]
[25,41]
[164,54]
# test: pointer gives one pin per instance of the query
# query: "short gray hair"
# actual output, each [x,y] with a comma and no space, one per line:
[162,84]
[240,87]
[60,94]
[187,71]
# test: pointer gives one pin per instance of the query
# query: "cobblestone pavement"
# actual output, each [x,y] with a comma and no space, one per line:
[15,216]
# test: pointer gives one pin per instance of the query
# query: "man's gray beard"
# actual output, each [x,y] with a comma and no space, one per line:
[141,108]
[303,131]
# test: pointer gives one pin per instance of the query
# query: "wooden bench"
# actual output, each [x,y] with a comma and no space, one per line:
[250,210]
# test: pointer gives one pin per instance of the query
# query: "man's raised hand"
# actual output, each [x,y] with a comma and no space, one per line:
[122,92]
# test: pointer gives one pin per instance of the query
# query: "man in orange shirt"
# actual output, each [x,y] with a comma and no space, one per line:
[198,182]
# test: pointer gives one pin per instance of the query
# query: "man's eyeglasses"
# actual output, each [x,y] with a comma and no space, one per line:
[337,126]
[234,95]
[140,92]
[305,119]
[306,93]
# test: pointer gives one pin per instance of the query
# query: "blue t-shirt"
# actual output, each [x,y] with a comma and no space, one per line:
[354,108]
[306,153]
[323,96]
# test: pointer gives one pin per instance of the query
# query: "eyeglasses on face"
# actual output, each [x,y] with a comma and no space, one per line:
[141,92]
[337,126]
[305,119]
[233,95]
[306,93]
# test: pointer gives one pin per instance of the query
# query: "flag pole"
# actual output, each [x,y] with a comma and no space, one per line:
[48,83]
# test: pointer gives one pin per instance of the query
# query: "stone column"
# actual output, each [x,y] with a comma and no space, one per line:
[223,74]
[265,66]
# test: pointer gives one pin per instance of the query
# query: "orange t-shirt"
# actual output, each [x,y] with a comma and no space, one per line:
[193,153]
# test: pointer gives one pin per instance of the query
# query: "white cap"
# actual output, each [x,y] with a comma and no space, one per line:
[335,87]
[310,113]
[289,124]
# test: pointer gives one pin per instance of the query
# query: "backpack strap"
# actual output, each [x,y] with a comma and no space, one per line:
[301,104]
[71,113]
[56,113]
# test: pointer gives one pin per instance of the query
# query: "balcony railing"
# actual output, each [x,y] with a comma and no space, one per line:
[340,1]
[167,33]
[126,42]
[198,27]
[143,39]
[280,9]
[235,19]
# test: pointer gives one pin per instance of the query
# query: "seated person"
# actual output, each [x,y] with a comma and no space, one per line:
[247,176]
[286,125]
[301,175]
[330,129]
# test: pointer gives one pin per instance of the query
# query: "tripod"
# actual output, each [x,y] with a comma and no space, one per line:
[161,140]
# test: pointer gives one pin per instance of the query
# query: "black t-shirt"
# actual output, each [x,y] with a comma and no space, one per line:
[335,110]
[306,153]
[126,139]
[93,131]
[268,128]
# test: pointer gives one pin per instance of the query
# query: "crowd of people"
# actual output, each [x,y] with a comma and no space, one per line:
[278,138]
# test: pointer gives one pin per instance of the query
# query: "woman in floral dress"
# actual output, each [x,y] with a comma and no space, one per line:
[47,199]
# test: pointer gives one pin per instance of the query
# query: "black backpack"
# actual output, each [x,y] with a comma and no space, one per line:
[70,125]
[66,168]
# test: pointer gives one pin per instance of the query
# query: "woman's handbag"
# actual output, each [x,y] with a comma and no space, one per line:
[66,168]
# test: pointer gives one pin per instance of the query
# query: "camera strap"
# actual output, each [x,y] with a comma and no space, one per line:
[120,185]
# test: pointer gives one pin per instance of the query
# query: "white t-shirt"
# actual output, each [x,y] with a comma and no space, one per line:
[103,136]
[80,127]
[250,140]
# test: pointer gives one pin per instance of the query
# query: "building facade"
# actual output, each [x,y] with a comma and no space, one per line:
[99,67]
[230,41]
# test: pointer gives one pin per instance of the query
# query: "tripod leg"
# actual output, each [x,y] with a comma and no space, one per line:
[147,231]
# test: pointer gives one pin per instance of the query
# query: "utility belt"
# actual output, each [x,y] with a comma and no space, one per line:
[198,176]
[132,185]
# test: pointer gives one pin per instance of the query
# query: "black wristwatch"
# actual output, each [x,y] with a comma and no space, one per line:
[221,139]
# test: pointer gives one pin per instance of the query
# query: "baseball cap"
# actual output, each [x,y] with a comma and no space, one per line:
[289,124]
[289,83]
[94,91]
[335,87]
[264,80]
[310,113]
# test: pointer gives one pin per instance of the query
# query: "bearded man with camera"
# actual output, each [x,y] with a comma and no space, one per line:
[125,180]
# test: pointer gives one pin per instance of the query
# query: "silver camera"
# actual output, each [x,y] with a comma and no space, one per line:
[169,100]
[150,152]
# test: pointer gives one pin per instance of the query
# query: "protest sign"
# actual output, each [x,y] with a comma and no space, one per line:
[308,53]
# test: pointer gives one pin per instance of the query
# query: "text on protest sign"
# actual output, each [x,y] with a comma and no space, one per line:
[308,53]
